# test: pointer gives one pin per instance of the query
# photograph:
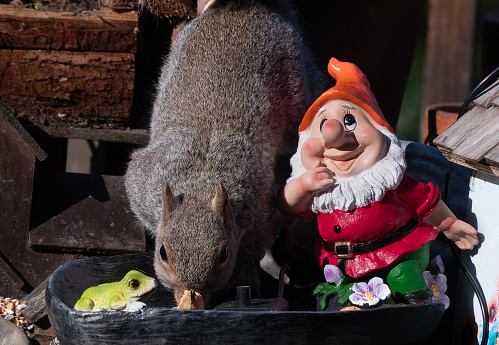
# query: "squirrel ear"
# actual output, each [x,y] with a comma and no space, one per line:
[168,202]
[221,204]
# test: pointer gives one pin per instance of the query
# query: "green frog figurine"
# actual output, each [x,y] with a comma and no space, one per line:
[122,295]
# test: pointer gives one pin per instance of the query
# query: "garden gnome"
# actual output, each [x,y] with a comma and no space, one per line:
[349,169]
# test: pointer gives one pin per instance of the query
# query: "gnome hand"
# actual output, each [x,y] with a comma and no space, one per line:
[461,233]
[315,180]
[297,195]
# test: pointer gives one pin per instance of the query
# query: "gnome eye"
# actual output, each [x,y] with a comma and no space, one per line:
[162,253]
[350,122]
[322,123]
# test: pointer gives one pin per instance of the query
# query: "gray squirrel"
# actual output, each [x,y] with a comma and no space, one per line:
[230,98]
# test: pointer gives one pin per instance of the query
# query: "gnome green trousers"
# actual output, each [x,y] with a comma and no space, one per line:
[407,275]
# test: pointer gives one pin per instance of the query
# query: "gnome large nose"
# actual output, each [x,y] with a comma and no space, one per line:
[334,135]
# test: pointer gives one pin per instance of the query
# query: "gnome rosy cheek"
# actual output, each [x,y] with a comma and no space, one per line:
[312,153]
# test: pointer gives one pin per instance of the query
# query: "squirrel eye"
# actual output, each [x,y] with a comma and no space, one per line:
[350,122]
[133,283]
[223,255]
[162,253]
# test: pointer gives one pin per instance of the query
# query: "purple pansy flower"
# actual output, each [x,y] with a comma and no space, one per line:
[369,293]
[333,274]
[437,261]
[438,285]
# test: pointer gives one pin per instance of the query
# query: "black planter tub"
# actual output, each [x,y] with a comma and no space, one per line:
[159,324]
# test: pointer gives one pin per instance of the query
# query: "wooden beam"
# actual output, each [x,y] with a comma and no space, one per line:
[449,51]
[76,89]
[127,136]
[22,28]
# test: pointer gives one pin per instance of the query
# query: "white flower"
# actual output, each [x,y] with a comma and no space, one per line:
[369,293]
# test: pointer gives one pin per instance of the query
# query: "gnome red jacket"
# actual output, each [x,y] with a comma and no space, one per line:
[411,199]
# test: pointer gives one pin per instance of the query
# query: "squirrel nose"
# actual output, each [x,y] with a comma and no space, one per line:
[334,135]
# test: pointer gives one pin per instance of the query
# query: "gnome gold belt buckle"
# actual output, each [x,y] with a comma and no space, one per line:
[343,250]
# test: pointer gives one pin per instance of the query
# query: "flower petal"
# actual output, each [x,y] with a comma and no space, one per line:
[374,282]
[360,287]
[441,283]
[373,301]
[443,298]
[382,291]
[333,274]
[437,260]
[429,279]
[358,299]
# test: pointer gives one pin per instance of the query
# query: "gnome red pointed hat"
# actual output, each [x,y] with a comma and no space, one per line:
[352,86]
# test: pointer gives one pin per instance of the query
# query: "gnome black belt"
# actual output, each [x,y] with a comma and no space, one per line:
[346,250]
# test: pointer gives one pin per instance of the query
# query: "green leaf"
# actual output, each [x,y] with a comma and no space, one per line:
[389,300]
[344,293]
[321,288]
[326,288]
[323,301]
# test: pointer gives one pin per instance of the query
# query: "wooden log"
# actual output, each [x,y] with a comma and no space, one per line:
[69,88]
[103,30]
[36,308]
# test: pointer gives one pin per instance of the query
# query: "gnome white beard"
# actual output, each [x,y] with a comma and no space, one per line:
[360,190]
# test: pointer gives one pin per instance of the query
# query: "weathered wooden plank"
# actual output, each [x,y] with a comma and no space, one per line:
[457,133]
[20,268]
[27,138]
[80,213]
[89,227]
[36,308]
[449,51]
[489,97]
[103,30]
[129,135]
[69,88]
[482,166]
[492,157]
[481,141]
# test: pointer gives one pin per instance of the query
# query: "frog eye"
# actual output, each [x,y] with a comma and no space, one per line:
[162,253]
[133,283]
[224,253]
[350,122]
